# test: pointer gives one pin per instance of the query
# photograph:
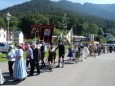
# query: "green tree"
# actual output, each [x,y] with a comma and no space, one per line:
[2,22]
[93,28]
[14,22]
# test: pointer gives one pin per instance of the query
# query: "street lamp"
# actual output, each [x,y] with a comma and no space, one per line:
[8,16]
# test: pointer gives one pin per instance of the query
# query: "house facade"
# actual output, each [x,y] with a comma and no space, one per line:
[17,37]
[3,35]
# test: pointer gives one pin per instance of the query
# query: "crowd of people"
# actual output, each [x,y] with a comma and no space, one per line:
[36,54]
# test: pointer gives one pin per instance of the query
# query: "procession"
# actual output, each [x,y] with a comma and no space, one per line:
[20,69]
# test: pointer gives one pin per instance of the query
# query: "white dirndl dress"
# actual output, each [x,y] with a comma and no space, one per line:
[2,80]
[19,66]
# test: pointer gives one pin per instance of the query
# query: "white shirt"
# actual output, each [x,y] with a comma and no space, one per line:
[29,52]
[11,55]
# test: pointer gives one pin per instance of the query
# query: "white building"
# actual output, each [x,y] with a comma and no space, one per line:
[109,36]
[18,37]
[3,35]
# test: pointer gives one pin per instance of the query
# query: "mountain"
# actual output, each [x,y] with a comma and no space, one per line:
[32,7]
[78,15]
[46,6]
[101,10]
[39,6]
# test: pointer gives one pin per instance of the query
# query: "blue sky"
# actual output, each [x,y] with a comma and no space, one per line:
[8,3]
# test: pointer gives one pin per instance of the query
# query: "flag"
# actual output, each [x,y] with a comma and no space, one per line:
[70,36]
[60,38]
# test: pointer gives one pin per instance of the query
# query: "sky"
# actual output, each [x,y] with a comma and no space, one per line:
[8,3]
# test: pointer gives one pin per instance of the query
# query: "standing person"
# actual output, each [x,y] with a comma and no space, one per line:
[43,50]
[19,65]
[29,55]
[61,51]
[50,56]
[2,80]
[11,59]
[35,60]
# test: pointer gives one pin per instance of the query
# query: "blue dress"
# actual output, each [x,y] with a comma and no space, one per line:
[19,66]
[70,53]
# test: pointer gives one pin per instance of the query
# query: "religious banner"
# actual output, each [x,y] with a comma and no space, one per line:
[32,31]
[46,33]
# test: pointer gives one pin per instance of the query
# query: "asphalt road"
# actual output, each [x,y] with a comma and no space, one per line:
[99,71]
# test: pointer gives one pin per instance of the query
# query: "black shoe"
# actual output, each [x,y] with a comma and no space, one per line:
[50,69]
[57,66]
[30,75]
[23,79]
[44,65]
[16,80]
[38,73]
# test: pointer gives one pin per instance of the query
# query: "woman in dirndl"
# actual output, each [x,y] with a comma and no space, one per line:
[20,72]
[70,54]
[2,80]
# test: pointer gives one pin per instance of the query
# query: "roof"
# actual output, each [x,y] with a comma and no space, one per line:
[16,32]
[75,36]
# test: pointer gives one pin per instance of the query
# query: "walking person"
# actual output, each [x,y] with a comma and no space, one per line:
[86,52]
[11,59]
[50,56]
[43,50]
[98,49]
[19,65]
[70,54]
[35,60]
[29,55]
[61,52]
[94,50]
[75,49]
[82,54]
[110,48]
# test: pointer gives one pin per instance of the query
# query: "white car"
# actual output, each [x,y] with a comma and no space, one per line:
[4,47]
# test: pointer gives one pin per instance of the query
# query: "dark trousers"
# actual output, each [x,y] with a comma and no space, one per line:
[10,66]
[42,58]
[27,63]
[34,64]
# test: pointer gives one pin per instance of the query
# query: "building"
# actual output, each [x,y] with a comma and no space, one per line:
[109,36]
[3,35]
[17,37]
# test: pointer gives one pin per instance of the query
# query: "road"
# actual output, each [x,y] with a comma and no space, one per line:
[99,71]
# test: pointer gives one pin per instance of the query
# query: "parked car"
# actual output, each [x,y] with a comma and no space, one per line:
[4,47]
